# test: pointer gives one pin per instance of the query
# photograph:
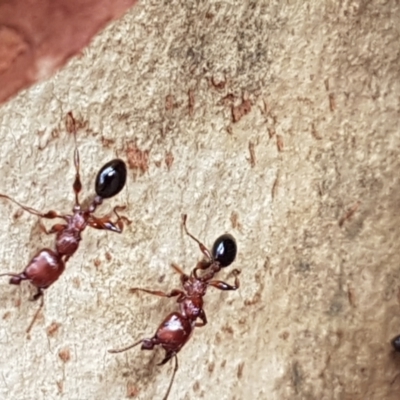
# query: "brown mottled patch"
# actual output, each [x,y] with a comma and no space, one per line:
[350,212]
[315,133]
[17,302]
[60,386]
[108,143]
[223,363]
[351,296]
[97,262]
[52,329]
[76,282]
[227,99]
[211,367]
[170,102]
[18,214]
[196,386]
[235,221]
[137,159]
[64,354]
[218,82]
[275,186]
[70,123]
[108,256]
[227,329]
[191,101]
[55,133]
[169,159]
[240,370]
[279,143]
[271,132]
[284,335]
[238,112]
[131,390]
[252,159]
[6,315]
[332,102]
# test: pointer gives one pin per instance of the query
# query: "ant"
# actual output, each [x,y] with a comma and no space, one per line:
[47,265]
[177,327]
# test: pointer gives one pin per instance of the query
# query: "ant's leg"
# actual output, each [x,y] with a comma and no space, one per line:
[173,293]
[179,270]
[147,344]
[203,318]
[38,295]
[16,279]
[173,375]
[225,286]
[106,223]
[54,229]
[126,348]
[203,248]
[49,215]
[201,265]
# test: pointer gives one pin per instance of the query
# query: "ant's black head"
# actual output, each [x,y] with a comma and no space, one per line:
[224,250]
[111,179]
[396,343]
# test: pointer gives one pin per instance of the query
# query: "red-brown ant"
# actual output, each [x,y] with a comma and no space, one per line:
[47,265]
[177,327]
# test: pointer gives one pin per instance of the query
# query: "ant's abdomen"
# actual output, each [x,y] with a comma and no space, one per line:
[44,268]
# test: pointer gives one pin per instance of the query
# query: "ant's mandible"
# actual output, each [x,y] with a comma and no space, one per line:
[177,327]
[47,265]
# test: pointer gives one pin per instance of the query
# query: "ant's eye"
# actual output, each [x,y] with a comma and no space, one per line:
[111,179]
[396,343]
[224,250]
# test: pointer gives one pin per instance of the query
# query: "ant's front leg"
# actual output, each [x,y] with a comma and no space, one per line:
[172,293]
[106,223]
[225,286]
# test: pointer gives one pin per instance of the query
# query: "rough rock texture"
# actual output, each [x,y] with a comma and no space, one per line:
[275,121]
[38,36]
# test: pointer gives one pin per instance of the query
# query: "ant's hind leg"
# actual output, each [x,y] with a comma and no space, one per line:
[147,344]
[113,351]
[38,295]
[203,248]
[173,373]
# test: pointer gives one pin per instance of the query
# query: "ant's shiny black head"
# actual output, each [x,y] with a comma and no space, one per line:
[224,250]
[111,179]
[396,343]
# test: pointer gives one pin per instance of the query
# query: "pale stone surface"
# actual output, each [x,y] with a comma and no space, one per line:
[318,303]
